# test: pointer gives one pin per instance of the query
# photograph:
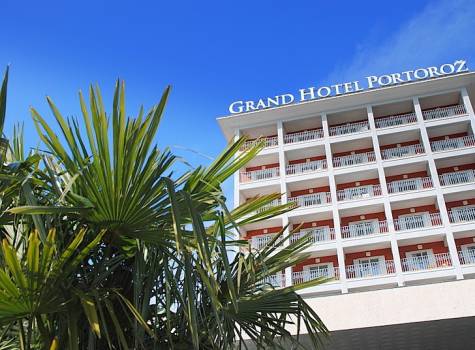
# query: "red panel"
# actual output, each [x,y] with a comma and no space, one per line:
[460,168]
[394,145]
[451,205]
[264,166]
[460,134]
[350,257]
[307,191]
[353,184]
[299,161]
[462,241]
[346,220]
[296,132]
[409,176]
[311,261]
[437,248]
[356,151]
[317,223]
[451,105]
[352,122]
[252,233]
[429,208]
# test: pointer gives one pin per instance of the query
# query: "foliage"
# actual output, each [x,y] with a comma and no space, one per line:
[105,248]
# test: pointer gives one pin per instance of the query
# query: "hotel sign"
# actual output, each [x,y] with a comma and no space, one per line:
[370,82]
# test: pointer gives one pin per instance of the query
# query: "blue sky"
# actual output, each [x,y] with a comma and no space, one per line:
[215,52]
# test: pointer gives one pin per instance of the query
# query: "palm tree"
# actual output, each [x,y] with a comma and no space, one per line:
[159,265]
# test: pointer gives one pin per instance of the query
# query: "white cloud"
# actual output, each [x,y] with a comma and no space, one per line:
[442,32]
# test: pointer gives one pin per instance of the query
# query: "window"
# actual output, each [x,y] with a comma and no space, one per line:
[420,260]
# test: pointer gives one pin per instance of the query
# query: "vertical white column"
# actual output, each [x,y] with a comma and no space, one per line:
[468,107]
[387,204]
[283,191]
[440,196]
[336,214]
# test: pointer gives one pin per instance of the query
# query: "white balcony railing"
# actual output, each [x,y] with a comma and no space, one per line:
[277,280]
[316,234]
[427,262]
[359,192]
[454,143]
[457,177]
[403,151]
[407,185]
[306,167]
[309,275]
[396,120]
[458,215]
[444,112]
[271,141]
[303,136]
[308,200]
[371,269]
[467,257]
[269,205]
[259,175]
[354,159]
[260,241]
[417,221]
[364,228]
[350,128]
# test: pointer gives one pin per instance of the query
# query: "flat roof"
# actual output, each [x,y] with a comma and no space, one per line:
[382,95]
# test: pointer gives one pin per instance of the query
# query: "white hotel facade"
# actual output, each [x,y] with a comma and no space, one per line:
[384,180]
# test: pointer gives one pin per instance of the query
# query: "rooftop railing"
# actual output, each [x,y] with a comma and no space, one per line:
[271,141]
[350,128]
[259,175]
[359,192]
[306,167]
[303,136]
[316,234]
[444,112]
[396,120]
[457,177]
[371,269]
[364,228]
[308,200]
[426,262]
[417,221]
[354,159]
[310,275]
[407,185]
[402,152]
[453,143]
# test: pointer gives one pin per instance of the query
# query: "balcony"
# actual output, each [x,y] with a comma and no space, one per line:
[303,136]
[396,120]
[454,143]
[269,205]
[364,228]
[313,199]
[260,241]
[402,152]
[457,177]
[463,214]
[306,167]
[444,112]
[277,280]
[371,269]
[408,185]
[467,257]
[316,234]
[271,141]
[354,159]
[350,128]
[427,262]
[259,175]
[417,221]
[310,275]
[360,192]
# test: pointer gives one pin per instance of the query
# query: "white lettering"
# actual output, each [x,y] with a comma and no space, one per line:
[236,107]
[326,89]
[357,86]
[287,99]
[461,66]
[348,87]
[371,80]
[384,80]
[423,70]
[396,78]
[304,94]
[433,72]
[337,88]
[451,68]
[250,106]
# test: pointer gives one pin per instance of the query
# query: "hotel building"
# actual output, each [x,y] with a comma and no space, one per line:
[384,181]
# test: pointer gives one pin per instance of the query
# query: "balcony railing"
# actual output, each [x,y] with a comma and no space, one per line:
[260,241]
[454,143]
[305,276]
[316,234]
[401,152]
[427,262]
[359,192]
[269,205]
[396,120]
[467,257]
[259,175]
[364,228]
[354,159]
[271,141]
[457,177]
[372,269]
[444,112]
[350,128]
[458,215]
[308,200]
[407,185]
[306,167]
[303,136]
[414,222]
[276,281]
